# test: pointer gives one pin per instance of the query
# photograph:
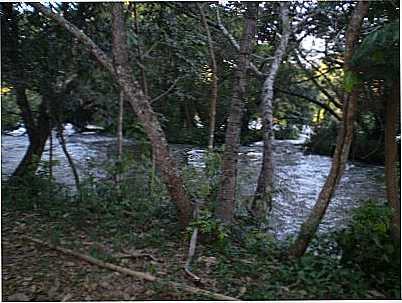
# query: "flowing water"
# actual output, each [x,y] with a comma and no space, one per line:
[298,176]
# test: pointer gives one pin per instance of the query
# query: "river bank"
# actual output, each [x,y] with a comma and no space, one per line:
[298,176]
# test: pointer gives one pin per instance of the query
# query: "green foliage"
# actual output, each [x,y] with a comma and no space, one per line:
[367,144]
[367,245]
[211,230]
[350,81]
[286,132]
[10,117]
[380,51]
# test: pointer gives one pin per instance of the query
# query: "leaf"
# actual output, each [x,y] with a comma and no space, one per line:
[350,80]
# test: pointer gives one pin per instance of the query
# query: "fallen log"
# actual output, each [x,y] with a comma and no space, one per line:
[132,273]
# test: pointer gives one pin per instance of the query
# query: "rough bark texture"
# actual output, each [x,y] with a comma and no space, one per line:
[344,139]
[391,157]
[122,73]
[263,194]
[144,83]
[140,104]
[214,92]
[227,191]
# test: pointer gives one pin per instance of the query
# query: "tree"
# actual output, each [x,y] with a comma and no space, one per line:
[263,193]
[344,138]
[122,73]
[380,52]
[227,191]
[214,93]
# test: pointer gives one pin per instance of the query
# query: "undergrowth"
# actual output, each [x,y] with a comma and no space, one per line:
[246,261]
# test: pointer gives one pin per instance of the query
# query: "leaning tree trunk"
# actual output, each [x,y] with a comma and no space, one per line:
[140,104]
[214,93]
[30,162]
[263,194]
[227,191]
[391,155]
[37,132]
[344,139]
[122,73]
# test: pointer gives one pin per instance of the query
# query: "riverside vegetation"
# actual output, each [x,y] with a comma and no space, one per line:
[242,261]
[217,76]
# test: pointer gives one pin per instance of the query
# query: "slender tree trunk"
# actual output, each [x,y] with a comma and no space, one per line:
[214,93]
[227,191]
[140,103]
[144,83]
[344,139]
[391,155]
[50,153]
[120,138]
[122,73]
[263,194]
[120,127]
[70,160]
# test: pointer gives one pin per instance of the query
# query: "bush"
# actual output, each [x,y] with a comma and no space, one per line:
[286,132]
[367,244]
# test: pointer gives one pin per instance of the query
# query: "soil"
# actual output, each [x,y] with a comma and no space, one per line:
[32,272]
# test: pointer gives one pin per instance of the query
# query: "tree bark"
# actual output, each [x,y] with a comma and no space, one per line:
[119,134]
[344,139]
[391,155]
[263,194]
[70,160]
[37,133]
[140,104]
[30,162]
[214,92]
[227,191]
[122,73]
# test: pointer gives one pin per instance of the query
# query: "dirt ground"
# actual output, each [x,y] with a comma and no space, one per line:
[32,272]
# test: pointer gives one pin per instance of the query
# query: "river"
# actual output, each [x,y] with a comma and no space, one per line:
[298,176]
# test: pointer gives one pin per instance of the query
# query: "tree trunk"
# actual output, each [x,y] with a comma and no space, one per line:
[147,116]
[344,139]
[391,155]
[214,93]
[120,127]
[30,162]
[119,142]
[227,191]
[122,73]
[37,134]
[263,194]
[70,160]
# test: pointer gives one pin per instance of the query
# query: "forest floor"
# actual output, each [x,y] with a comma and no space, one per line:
[31,272]
[252,268]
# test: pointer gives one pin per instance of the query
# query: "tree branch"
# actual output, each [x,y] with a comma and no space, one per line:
[309,99]
[139,275]
[166,92]
[79,34]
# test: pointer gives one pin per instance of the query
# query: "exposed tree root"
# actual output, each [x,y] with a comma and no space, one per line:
[129,272]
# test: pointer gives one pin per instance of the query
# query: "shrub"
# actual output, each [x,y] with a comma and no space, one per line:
[367,244]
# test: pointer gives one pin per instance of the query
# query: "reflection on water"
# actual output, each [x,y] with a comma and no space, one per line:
[298,177]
